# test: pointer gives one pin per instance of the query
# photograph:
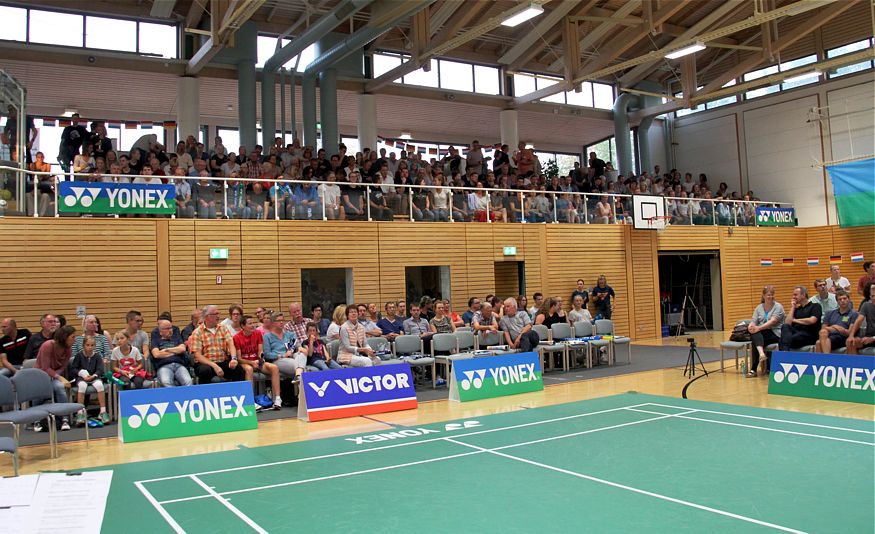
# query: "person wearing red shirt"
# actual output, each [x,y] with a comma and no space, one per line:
[250,345]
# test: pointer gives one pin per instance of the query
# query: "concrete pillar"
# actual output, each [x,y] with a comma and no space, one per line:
[308,109]
[328,104]
[367,124]
[246,103]
[508,127]
[187,108]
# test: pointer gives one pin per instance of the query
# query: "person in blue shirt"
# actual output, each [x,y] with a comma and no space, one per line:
[390,324]
[837,325]
[281,347]
[603,296]
[473,309]
[321,322]
[308,206]
[284,203]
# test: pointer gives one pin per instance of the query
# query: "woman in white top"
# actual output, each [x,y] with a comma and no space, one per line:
[579,313]
[183,158]
[337,319]
[836,281]
[440,199]
[147,177]
[765,329]
[331,194]
[603,211]
[232,322]
[84,162]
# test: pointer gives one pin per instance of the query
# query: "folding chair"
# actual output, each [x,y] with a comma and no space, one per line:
[409,349]
[35,386]
[15,417]
[381,344]
[560,332]
[465,340]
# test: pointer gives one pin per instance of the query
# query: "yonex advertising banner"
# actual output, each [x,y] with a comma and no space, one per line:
[496,376]
[353,391]
[161,413]
[776,217]
[99,197]
[841,377]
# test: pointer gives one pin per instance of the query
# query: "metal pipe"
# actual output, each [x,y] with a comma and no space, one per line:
[328,103]
[283,104]
[308,108]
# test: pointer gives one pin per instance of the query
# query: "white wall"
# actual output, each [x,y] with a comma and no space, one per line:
[656,136]
[780,146]
[709,146]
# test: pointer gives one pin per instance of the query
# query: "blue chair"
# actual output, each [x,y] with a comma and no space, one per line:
[15,417]
[35,386]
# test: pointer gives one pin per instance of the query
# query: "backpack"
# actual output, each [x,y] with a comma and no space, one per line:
[739,332]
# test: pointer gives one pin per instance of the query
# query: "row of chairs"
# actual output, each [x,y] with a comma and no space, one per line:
[31,387]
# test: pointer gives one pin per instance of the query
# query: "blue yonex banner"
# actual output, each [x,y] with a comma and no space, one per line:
[841,377]
[776,217]
[496,376]
[99,197]
[356,391]
[160,413]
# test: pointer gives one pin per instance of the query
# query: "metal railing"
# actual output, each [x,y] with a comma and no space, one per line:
[484,205]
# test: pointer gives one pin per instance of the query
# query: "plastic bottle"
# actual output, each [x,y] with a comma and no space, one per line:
[744,366]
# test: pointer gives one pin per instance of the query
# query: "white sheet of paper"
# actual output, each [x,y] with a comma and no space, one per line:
[17,491]
[69,503]
[15,519]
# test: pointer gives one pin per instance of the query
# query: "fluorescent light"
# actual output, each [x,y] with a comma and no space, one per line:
[69,112]
[529,13]
[406,135]
[529,146]
[692,49]
[805,76]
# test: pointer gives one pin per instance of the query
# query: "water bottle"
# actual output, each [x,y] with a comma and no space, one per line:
[744,366]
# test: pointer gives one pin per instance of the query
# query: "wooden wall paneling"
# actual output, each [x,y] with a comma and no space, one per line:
[506,271]
[162,264]
[480,258]
[739,297]
[260,265]
[218,234]
[181,275]
[852,240]
[55,265]
[682,237]
[820,244]
[534,239]
[777,244]
[644,280]
[506,279]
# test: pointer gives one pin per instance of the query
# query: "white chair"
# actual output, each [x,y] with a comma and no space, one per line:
[409,348]
[736,346]
[445,350]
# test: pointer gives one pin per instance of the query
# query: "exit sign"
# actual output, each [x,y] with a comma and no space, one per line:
[218,254]
[510,251]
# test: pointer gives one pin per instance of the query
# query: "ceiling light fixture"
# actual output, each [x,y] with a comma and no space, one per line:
[69,112]
[406,135]
[687,50]
[805,76]
[529,13]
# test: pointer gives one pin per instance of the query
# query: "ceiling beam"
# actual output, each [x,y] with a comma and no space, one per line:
[226,16]
[442,14]
[462,19]
[162,9]
[531,36]
[814,21]
[195,13]
[641,71]
[600,31]
[420,32]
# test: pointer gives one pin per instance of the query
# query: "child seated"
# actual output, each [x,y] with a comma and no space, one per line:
[127,362]
[87,368]
[250,347]
[316,351]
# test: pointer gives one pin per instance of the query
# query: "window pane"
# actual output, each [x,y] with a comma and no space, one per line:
[523,84]
[760,73]
[55,28]
[848,69]
[789,65]
[457,76]
[542,82]
[265,46]
[583,98]
[603,95]
[486,80]
[111,34]
[383,63]
[14,27]
[158,39]
[848,48]
[307,56]
[421,77]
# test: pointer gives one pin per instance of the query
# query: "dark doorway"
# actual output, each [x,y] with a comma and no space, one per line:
[510,278]
[432,281]
[690,289]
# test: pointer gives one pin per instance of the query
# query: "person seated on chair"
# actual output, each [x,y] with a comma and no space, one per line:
[485,320]
[371,328]
[391,325]
[802,323]
[87,368]
[353,350]
[837,324]
[316,351]
[12,346]
[858,337]
[53,358]
[764,328]
[579,312]
[127,362]
[836,281]
[517,328]
[214,351]
[827,300]
[169,356]
[441,322]
[250,344]
[280,347]
[548,315]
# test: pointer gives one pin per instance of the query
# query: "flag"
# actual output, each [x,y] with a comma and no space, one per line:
[114,124]
[443,152]
[497,146]
[835,260]
[130,126]
[170,125]
[813,261]
[787,261]
[432,151]
[854,186]
[49,122]
[410,148]
[389,143]
[145,125]
[856,256]
[63,123]
[420,149]
[765,262]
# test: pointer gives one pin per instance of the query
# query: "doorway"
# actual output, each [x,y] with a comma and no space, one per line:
[325,287]
[428,280]
[510,278]
[689,290]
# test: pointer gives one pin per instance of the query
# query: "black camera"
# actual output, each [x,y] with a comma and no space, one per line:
[691,341]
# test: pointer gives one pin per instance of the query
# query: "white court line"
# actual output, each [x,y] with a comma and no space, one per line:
[167,517]
[318,479]
[229,506]
[767,429]
[404,444]
[758,417]
[630,488]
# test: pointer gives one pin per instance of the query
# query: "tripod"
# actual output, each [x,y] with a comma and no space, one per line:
[691,360]
[683,322]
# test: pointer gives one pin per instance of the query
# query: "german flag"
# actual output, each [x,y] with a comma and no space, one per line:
[130,126]
[170,125]
[787,261]
[835,260]
[432,151]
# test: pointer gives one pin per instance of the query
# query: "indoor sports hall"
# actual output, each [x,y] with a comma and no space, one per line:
[437,265]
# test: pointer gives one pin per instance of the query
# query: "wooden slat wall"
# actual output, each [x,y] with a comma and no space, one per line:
[111,266]
[55,265]
[506,279]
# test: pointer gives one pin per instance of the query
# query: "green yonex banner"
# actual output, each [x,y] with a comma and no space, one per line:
[161,413]
[109,198]
[496,376]
[841,377]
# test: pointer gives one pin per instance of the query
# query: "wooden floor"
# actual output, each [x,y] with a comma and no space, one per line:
[727,387]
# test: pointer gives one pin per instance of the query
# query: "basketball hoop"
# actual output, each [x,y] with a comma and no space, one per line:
[659,222]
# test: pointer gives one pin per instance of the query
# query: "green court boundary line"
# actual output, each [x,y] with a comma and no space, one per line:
[684,414]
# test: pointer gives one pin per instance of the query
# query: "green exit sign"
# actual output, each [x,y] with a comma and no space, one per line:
[218,254]
[510,251]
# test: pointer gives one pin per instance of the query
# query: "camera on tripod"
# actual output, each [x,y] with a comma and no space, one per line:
[691,341]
